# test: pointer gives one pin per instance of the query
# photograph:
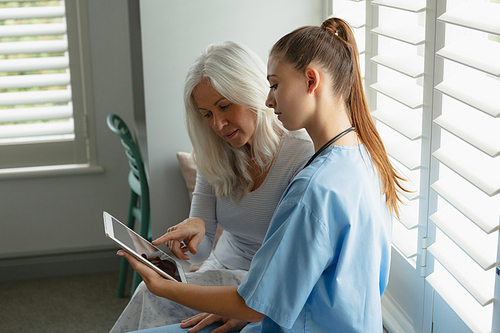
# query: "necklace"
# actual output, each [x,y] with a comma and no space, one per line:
[326,145]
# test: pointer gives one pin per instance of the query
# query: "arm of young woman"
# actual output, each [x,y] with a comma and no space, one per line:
[224,301]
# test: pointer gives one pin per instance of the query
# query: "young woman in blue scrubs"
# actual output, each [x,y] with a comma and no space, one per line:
[324,262]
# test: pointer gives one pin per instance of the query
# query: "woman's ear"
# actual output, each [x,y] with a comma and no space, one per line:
[313,79]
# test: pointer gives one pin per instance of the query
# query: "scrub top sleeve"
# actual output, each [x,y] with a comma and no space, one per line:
[285,270]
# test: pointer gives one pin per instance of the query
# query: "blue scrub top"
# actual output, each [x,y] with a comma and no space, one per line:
[324,263]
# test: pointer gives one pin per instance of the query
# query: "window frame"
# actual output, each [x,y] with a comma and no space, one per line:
[78,156]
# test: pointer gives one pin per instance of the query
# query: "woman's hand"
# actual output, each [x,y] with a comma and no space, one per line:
[154,281]
[183,237]
[204,319]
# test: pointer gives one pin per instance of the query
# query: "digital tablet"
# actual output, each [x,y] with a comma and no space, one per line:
[166,265]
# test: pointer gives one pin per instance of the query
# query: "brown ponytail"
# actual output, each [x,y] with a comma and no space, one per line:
[333,47]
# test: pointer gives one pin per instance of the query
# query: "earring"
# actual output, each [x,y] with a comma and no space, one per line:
[311,93]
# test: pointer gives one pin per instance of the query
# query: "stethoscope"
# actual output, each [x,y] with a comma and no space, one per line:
[326,145]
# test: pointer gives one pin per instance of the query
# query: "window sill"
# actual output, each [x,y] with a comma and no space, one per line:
[50,171]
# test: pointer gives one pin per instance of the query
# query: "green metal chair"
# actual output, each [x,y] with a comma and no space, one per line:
[139,207]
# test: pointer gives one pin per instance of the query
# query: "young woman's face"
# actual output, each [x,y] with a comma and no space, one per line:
[232,122]
[288,95]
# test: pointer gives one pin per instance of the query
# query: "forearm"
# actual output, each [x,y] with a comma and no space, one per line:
[224,301]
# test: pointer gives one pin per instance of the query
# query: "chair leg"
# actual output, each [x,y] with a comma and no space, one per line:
[132,204]
[122,280]
[144,232]
[123,277]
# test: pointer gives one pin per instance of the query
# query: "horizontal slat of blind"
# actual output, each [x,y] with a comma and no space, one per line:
[362,66]
[360,36]
[33,114]
[404,240]
[407,124]
[412,177]
[33,64]
[480,92]
[19,30]
[478,245]
[409,95]
[409,5]
[32,12]
[408,64]
[477,209]
[38,80]
[35,97]
[410,196]
[411,35]
[476,167]
[475,316]
[408,215]
[479,54]
[39,129]
[406,154]
[476,15]
[484,134]
[50,46]
[479,283]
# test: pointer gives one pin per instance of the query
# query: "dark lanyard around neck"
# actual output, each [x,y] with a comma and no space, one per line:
[326,145]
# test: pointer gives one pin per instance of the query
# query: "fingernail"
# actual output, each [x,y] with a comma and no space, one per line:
[119,253]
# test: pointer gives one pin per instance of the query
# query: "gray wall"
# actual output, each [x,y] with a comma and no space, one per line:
[173,34]
[46,222]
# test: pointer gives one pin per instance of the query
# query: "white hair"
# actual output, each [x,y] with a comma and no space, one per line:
[239,75]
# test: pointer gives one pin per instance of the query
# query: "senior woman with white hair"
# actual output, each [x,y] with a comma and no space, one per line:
[245,160]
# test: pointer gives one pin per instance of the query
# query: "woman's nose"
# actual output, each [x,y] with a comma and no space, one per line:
[219,121]
[270,101]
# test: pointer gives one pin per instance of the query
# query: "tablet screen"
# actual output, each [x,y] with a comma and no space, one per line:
[145,249]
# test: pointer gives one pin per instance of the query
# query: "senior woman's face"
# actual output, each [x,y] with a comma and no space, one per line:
[232,122]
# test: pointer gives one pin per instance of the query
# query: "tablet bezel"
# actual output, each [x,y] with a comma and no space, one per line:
[109,231]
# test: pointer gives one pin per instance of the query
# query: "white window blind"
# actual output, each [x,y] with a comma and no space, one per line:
[433,85]
[43,111]
[467,125]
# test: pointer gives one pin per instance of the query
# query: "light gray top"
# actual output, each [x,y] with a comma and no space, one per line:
[245,221]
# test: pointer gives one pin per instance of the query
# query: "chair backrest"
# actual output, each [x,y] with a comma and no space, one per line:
[117,125]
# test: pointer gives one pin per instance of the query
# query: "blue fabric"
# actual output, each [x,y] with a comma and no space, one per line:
[325,259]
